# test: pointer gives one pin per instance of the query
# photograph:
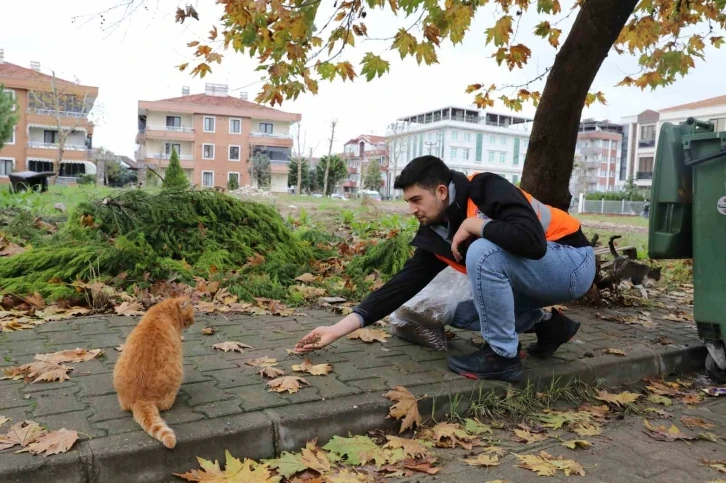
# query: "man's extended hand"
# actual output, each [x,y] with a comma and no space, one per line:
[471,227]
[317,339]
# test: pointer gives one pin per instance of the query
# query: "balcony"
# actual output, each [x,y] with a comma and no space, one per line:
[591,151]
[258,134]
[646,143]
[182,157]
[66,147]
[51,112]
[644,175]
[171,133]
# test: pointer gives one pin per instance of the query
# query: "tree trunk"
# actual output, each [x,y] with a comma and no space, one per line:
[551,151]
[298,186]
[327,160]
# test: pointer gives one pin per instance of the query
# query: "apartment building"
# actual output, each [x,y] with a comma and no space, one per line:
[598,157]
[215,135]
[359,153]
[645,129]
[50,110]
[468,140]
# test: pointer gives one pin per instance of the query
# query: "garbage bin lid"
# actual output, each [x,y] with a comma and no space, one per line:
[30,175]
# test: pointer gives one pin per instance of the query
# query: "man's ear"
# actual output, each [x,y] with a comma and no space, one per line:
[442,192]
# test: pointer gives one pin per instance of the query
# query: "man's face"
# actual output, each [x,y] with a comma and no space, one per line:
[426,205]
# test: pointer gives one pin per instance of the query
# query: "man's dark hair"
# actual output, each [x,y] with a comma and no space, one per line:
[426,171]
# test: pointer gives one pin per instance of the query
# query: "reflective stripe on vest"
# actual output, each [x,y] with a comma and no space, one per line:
[555,223]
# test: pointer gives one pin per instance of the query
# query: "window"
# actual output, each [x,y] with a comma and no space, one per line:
[502,140]
[491,156]
[207,151]
[492,139]
[647,132]
[40,166]
[173,121]
[645,164]
[6,166]
[465,154]
[11,139]
[169,146]
[207,179]
[266,127]
[234,153]
[502,158]
[467,137]
[209,124]
[454,134]
[232,179]
[525,143]
[719,124]
[454,153]
[11,93]
[235,126]
[515,178]
[49,137]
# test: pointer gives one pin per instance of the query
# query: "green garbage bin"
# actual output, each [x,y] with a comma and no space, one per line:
[688,220]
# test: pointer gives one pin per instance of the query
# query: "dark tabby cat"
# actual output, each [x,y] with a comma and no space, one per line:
[625,268]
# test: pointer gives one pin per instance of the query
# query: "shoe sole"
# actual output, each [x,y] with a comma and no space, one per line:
[545,355]
[511,375]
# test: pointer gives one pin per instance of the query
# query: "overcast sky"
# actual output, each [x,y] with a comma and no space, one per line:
[136,61]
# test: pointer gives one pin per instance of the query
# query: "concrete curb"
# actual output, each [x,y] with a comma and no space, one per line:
[135,457]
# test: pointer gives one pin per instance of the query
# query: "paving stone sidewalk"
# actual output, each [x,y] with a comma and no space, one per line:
[223,396]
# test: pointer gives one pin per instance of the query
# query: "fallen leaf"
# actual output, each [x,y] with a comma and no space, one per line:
[708,437]
[3,420]
[206,307]
[78,311]
[22,433]
[716,465]
[129,309]
[411,448]
[662,414]
[11,249]
[495,450]
[77,355]
[38,371]
[421,466]
[36,300]
[271,372]
[306,278]
[55,442]
[348,476]
[693,423]
[369,335]
[287,464]
[691,399]
[313,458]
[406,407]
[120,348]
[473,426]
[262,362]
[577,443]
[482,460]
[208,331]
[587,429]
[616,352]
[619,399]
[232,346]
[547,465]
[450,435]
[661,433]
[235,470]
[291,384]
[313,369]
[529,438]
[358,450]
[660,400]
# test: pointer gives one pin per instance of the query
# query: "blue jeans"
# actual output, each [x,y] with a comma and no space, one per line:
[510,291]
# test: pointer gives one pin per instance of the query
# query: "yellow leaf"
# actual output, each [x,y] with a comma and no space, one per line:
[235,470]
[577,443]
[369,335]
[313,369]
[483,460]
[537,464]
[501,31]
[406,407]
[450,435]
[528,437]
[587,429]
[232,346]
[616,352]
[306,278]
[411,448]
[291,384]
[620,399]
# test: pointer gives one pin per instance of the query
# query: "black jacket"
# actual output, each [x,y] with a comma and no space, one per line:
[514,226]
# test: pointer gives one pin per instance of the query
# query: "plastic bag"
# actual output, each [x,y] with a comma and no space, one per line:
[422,320]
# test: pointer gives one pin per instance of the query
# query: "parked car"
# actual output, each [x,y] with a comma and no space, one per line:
[317,195]
[338,196]
[369,194]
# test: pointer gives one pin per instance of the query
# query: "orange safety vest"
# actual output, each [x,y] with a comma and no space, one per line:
[556,223]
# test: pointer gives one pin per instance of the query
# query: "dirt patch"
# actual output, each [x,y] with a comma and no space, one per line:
[614,227]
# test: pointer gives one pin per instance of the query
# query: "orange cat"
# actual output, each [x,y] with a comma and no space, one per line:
[149,371]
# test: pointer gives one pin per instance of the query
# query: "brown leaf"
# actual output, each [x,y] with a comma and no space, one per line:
[38,371]
[22,433]
[661,433]
[406,407]
[120,348]
[208,331]
[206,307]
[693,423]
[369,335]
[411,448]
[291,384]
[11,249]
[271,372]
[483,460]
[716,465]
[691,399]
[77,355]
[232,346]
[36,300]
[449,435]
[547,465]
[55,442]
[306,278]
[527,437]
[587,429]
[577,443]
[421,466]
[616,352]
[261,362]
[313,370]
[129,309]
[78,311]
[621,399]
[314,458]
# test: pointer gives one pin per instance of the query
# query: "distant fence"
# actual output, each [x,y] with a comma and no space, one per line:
[623,207]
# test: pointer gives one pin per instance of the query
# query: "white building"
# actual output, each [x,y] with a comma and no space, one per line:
[645,129]
[468,140]
[598,156]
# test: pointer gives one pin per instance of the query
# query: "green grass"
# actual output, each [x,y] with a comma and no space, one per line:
[44,203]
[618,219]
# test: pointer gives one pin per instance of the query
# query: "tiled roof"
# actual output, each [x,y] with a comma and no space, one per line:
[15,71]
[712,102]
[218,101]
[368,137]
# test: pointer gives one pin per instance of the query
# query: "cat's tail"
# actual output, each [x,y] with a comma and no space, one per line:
[612,245]
[147,415]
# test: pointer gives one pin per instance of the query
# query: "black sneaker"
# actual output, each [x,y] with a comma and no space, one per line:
[551,334]
[487,364]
